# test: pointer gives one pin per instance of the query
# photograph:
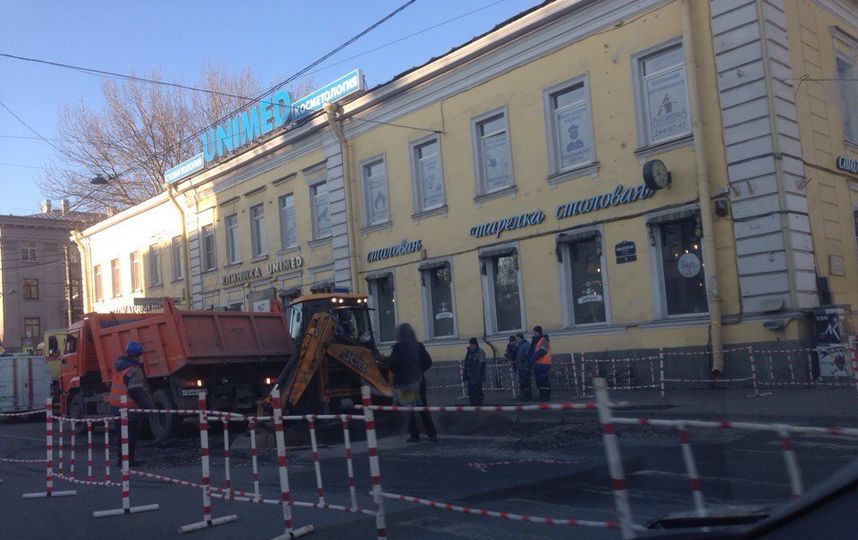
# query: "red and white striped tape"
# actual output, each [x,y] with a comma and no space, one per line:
[590,405]
[24,413]
[14,460]
[483,467]
[727,424]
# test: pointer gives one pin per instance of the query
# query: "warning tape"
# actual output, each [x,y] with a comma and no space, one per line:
[751,426]
[12,460]
[25,413]
[567,406]
[105,483]
[483,467]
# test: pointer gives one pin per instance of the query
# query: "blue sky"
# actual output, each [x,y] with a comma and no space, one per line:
[274,39]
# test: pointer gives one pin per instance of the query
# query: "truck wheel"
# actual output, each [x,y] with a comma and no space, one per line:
[76,410]
[163,426]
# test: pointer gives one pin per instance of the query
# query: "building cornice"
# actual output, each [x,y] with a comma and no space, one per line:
[843,9]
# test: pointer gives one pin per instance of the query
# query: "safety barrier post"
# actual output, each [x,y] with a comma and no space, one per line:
[791,368]
[60,465]
[72,445]
[285,494]
[49,459]
[771,369]
[575,375]
[691,469]
[512,380]
[226,475]
[320,490]
[613,374]
[810,379]
[464,388]
[853,353]
[791,462]
[89,451]
[106,450]
[661,370]
[207,521]
[374,469]
[757,392]
[615,461]
[126,471]
[347,445]
[251,426]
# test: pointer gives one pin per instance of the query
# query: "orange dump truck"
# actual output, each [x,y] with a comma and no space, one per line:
[233,356]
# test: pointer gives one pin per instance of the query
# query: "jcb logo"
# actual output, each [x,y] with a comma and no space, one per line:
[351,359]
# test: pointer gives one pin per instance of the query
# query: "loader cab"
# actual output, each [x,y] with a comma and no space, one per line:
[349,311]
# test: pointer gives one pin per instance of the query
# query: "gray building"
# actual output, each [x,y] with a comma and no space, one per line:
[39,274]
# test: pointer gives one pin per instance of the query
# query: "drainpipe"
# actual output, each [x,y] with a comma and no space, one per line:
[710,250]
[186,250]
[77,238]
[336,127]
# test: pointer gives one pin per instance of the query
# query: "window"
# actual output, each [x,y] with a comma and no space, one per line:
[381,294]
[438,287]
[585,286]
[74,256]
[74,287]
[154,265]
[375,200]
[235,299]
[136,271]
[231,227]
[848,97]
[257,230]
[115,278]
[682,272]
[503,299]
[662,96]
[570,126]
[176,249]
[321,211]
[28,252]
[209,248]
[427,174]
[288,238]
[32,328]
[491,147]
[31,289]
[211,301]
[98,287]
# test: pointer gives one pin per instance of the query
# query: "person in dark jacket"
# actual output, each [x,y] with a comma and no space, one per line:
[129,380]
[523,368]
[474,372]
[409,360]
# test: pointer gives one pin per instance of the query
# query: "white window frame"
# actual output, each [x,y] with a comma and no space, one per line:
[98,284]
[418,205]
[29,252]
[136,260]
[641,106]
[155,252]
[231,236]
[426,294]
[565,274]
[315,224]
[176,249]
[488,288]
[208,232]
[372,296]
[284,226]
[257,231]
[842,41]
[115,278]
[480,180]
[365,189]
[550,112]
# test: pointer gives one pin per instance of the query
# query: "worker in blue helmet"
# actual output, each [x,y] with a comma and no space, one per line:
[129,380]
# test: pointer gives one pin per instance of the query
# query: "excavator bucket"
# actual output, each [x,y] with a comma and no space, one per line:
[359,359]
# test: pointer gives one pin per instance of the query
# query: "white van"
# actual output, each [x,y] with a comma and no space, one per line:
[25,383]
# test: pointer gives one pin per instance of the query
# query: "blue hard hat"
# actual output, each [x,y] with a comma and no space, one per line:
[134,349]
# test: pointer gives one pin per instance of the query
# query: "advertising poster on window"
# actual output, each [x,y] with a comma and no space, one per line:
[496,162]
[575,139]
[668,105]
[831,343]
[377,200]
[431,183]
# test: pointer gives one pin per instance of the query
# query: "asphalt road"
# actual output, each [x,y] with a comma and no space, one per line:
[496,463]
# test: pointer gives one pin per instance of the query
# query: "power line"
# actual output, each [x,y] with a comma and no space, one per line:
[25,137]
[5,164]
[26,125]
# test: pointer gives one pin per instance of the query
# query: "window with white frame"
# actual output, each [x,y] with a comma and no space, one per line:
[31,289]
[375,200]
[662,96]
[28,252]
[492,152]
[383,303]
[570,125]
[176,250]
[209,245]
[321,210]
[848,90]
[438,299]
[154,265]
[427,174]
[680,256]
[115,278]
[257,230]
[502,289]
[97,284]
[586,298]
[136,271]
[288,238]
[231,230]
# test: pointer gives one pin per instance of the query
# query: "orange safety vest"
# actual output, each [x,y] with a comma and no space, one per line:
[545,360]
[118,389]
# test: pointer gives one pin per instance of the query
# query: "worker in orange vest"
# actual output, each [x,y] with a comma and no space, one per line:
[540,359]
[129,380]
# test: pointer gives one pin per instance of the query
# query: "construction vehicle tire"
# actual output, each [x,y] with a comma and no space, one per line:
[163,426]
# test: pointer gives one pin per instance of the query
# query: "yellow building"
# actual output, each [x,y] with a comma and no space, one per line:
[502,185]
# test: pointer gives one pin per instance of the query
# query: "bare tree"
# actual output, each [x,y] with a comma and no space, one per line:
[143,130]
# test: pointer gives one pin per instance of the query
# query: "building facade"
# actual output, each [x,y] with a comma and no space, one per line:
[628,175]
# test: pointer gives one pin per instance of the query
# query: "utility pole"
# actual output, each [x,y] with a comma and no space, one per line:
[69,299]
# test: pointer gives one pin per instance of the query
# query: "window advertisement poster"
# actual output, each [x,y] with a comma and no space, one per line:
[667,103]
[377,199]
[431,182]
[831,343]
[574,135]
[496,163]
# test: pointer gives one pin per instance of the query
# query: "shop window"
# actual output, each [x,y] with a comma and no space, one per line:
[115,278]
[31,289]
[570,126]
[427,174]
[211,301]
[209,246]
[321,211]
[257,230]
[492,153]
[376,209]
[32,328]
[680,253]
[235,299]
[154,265]
[438,300]
[848,90]
[662,96]
[503,296]
[176,249]
[136,271]
[231,228]
[383,304]
[288,238]
[28,252]
[583,266]
[97,285]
